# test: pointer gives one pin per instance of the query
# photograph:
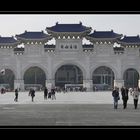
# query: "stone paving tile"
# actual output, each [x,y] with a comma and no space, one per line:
[68,115]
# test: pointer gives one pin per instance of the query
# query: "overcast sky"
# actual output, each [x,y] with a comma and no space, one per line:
[16,24]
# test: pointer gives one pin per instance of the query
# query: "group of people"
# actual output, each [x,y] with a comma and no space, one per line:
[125,96]
[47,94]
[50,94]
[31,93]
[3,90]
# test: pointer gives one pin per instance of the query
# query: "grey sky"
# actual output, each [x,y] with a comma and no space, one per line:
[16,24]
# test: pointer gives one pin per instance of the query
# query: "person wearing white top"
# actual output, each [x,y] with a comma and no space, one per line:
[135,95]
[130,90]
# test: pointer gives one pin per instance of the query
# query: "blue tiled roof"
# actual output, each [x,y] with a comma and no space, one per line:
[87,46]
[33,35]
[130,39]
[49,46]
[68,28]
[4,40]
[104,34]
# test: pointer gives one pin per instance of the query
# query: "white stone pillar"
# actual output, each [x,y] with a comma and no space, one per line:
[139,83]
[88,84]
[19,84]
[50,83]
[118,83]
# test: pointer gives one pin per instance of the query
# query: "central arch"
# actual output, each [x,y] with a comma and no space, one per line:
[103,78]
[68,74]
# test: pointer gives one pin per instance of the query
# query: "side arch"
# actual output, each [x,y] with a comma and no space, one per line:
[103,78]
[34,65]
[116,74]
[7,79]
[131,77]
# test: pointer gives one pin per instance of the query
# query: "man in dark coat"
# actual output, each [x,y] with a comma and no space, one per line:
[16,95]
[33,94]
[45,93]
[53,94]
[124,92]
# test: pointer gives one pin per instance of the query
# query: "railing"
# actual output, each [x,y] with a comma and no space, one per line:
[37,87]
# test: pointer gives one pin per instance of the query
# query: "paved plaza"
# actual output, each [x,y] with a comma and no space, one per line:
[62,98]
[70,109]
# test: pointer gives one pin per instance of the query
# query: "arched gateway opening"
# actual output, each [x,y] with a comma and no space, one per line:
[68,74]
[34,77]
[7,80]
[103,78]
[131,77]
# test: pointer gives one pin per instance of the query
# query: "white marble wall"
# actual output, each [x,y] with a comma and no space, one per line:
[103,55]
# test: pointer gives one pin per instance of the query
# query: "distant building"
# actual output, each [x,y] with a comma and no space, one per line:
[99,65]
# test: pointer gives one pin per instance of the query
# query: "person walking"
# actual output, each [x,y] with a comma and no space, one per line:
[53,94]
[45,93]
[49,95]
[116,97]
[16,95]
[124,92]
[2,91]
[135,95]
[32,94]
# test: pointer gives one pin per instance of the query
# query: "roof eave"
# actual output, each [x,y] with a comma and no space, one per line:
[129,43]
[110,38]
[9,44]
[34,39]
[54,32]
